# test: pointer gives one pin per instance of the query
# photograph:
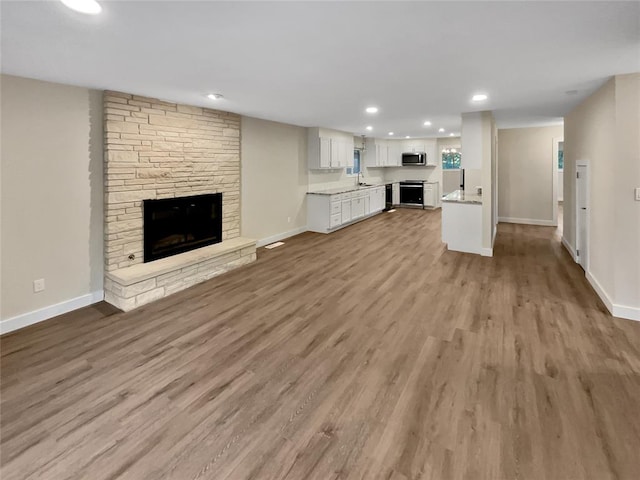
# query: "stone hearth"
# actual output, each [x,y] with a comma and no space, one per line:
[153,150]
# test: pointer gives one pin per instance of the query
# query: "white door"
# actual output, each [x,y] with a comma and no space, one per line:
[582,246]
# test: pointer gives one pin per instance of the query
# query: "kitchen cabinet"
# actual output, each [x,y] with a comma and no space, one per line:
[395,193]
[431,194]
[413,147]
[346,211]
[329,149]
[382,153]
[329,212]
[394,155]
[357,208]
[377,198]
[433,156]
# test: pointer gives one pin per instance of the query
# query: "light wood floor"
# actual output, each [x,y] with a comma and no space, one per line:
[369,353]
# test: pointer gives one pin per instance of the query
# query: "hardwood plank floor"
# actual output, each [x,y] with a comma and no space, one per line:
[370,353]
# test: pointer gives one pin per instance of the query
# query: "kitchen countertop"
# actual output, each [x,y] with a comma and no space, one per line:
[345,189]
[460,196]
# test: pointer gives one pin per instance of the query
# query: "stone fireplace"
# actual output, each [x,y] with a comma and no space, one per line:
[158,150]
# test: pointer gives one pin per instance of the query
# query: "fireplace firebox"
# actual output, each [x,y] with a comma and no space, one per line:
[177,225]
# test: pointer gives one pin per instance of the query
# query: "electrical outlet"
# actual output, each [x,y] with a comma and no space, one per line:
[638,194]
[38,285]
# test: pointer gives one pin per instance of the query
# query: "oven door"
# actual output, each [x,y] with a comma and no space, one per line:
[411,194]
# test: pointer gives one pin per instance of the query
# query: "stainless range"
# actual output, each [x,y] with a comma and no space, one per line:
[412,193]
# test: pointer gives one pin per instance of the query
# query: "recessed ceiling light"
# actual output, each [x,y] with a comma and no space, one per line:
[214,96]
[390,133]
[369,128]
[479,97]
[90,7]
[441,130]
[372,110]
[427,123]
[451,135]
[407,136]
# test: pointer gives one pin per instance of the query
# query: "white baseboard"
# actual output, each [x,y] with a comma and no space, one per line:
[528,221]
[280,236]
[570,249]
[600,291]
[29,318]
[620,311]
[628,313]
[486,252]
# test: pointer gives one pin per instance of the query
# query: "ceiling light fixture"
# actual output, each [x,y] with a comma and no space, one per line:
[369,128]
[407,136]
[90,7]
[427,123]
[441,130]
[214,96]
[372,110]
[451,134]
[479,97]
[390,133]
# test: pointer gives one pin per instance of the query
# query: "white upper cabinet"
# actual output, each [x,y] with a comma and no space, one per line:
[329,149]
[433,156]
[394,155]
[413,147]
[382,153]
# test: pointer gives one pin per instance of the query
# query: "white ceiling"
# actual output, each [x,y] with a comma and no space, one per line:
[322,63]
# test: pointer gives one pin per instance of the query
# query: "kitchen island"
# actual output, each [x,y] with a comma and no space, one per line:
[462,222]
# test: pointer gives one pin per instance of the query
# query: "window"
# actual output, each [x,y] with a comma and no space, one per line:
[561,156]
[451,159]
[355,170]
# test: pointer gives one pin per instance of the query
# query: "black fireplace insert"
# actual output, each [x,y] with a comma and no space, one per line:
[177,225]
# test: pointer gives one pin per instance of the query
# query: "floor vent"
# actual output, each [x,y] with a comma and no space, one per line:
[274,245]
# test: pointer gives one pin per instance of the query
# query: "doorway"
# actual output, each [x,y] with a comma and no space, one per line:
[582,216]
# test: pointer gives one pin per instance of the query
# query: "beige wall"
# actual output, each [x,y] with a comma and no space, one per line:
[488,179]
[526,169]
[51,194]
[603,133]
[627,178]
[274,178]
[589,138]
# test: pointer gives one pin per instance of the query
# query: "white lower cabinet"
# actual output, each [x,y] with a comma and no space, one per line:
[395,193]
[326,213]
[357,207]
[430,196]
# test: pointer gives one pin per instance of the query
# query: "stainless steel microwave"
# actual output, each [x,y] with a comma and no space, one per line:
[417,158]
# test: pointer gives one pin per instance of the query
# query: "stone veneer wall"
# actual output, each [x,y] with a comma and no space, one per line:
[155,149]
